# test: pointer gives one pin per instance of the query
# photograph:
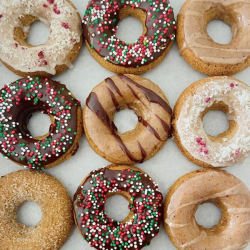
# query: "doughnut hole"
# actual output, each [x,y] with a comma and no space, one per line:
[29,214]
[219,24]
[21,34]
[208,215]
[117,206]
[227,131]
[131,18]
[125,120]
[39,125]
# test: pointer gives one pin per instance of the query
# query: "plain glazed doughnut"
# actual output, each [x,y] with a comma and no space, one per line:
[150,105]
[217,93]
[54,200]
[18,101]
[145,203]
[208,185]
[53,57]
[100,24]
[200,50]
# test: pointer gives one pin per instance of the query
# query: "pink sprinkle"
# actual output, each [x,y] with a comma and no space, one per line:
[45,5]
[231,85]
[207,99]
[236,154]
[45,62]
[50,1]
[203,143]
[1,15]
[73,40]
[41,55]
[16,45]
[65,25]
[57,11]
[206,151]
[198,140]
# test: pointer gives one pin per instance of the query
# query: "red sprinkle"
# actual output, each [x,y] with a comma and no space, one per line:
[65,25]
[41,55]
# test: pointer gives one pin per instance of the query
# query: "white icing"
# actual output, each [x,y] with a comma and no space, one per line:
[201,237]
[60,42]
[190,127]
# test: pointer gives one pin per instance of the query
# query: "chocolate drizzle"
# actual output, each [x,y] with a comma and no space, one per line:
[151,95]
[114,100]
[95,106]
[111,83]
[90,215]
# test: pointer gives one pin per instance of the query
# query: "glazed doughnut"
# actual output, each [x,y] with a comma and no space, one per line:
[53,57]
[150,105]
[100,24]
[200,50]
[216,93]
[145,203]
[54,200]
[18,101]
[208,185]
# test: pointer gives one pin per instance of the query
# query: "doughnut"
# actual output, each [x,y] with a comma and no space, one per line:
[200,50]
[18,101]
[145,203]
[149,104]
[216,93]
[227,192]
[49,59]
[100,24]
[54,200]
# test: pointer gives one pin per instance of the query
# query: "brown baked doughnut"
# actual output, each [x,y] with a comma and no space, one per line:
[100,24]
[208,185]
[216,93]
[150,105]
[57,220]
[49,59]
[145,204]
[200,50]
[18,101]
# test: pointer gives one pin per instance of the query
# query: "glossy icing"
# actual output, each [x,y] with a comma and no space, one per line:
[65,32]
[209,186]
[100,24]
[119,92]
[189,126]
[98,228]
[235,12]
[18,101]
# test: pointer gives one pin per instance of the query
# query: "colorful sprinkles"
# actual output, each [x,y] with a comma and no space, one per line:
[100,24]
[24,97]
[102,232]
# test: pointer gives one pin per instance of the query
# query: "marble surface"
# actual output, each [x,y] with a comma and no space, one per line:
[173,75]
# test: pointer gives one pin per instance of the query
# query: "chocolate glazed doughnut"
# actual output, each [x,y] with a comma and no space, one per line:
[142,223]
[150,105]
[18,101]
[100,24]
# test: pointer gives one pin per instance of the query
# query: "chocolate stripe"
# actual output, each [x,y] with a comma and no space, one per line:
[95,106]
[115,102]
[111,83]
[149,127]
[151,96]
[143,153]
[164,124]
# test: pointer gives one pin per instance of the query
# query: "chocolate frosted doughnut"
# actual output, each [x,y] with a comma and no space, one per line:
[224,190]
[216,93]
[54,200]
[150,105]
[18,101]
[200,50]
[100,24]
[53,57]
[141,225]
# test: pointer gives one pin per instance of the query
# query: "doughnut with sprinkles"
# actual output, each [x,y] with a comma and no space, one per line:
[18,101]
[100,24]
[145,204]
[49,59]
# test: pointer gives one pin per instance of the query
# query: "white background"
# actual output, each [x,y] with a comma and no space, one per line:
[173,75]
